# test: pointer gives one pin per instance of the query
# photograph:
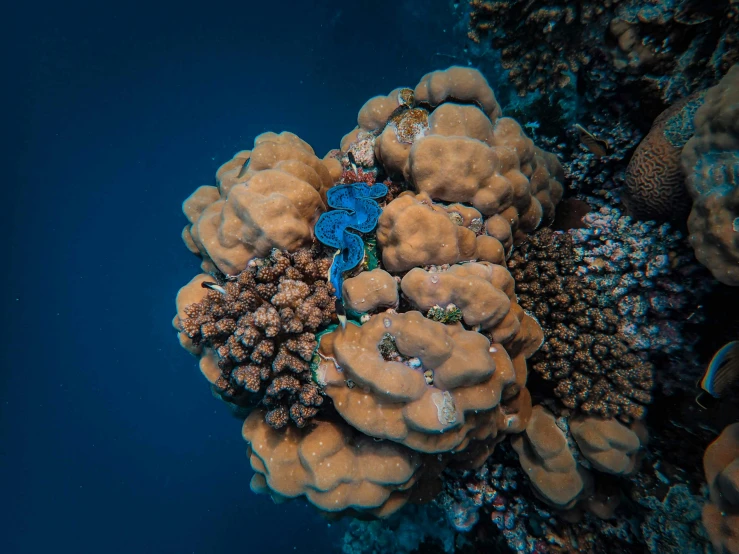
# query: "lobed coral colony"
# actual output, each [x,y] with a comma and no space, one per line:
[417,327]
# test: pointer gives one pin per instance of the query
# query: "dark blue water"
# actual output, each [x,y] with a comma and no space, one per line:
[109,438]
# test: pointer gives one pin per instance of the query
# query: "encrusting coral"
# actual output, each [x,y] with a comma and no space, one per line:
[260,332]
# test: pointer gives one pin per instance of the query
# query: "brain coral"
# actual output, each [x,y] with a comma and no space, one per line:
[336,468]
[418,382]
[711,162]
[721,513]
[271,198]
[655,181]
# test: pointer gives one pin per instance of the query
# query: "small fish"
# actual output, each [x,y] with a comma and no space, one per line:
[597,146]
[213,286]
[723,370]
[352,161]
[340,312]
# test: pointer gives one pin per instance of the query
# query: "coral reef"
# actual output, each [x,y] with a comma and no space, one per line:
[663,49]
[711,162]
[721,512]
[673,525]
[259,333]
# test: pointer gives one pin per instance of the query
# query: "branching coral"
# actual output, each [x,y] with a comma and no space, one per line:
[595,370]
[260,332]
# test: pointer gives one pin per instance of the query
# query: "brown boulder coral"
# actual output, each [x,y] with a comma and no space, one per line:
[271,198]
[457,84]
[421,383]
[333,466]
[370,290]
[721,513]
[413,231]
[470,287]
[546,458]
[608,445]
[256,338]
[711,161]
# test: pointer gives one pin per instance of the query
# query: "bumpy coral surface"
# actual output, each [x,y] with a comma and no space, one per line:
[594,368]
[336,468]
[427,385]
[547,460]
[608,445]
[413,231]
[259,333]
[273,201]
[721,513]
[711,162]
[370,291]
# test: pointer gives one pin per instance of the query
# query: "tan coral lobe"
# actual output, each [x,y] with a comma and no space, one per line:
[391,399]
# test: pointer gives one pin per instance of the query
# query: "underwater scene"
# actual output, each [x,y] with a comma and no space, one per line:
[380,277]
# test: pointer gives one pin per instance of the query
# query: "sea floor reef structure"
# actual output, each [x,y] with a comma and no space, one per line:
[372,316]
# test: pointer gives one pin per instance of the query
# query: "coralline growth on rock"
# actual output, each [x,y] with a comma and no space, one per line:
[256,339]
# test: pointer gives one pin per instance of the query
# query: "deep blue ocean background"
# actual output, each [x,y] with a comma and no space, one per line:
[110,440]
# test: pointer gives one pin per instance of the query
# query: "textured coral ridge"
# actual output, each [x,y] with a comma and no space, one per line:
[418,382]
[584,352]
[256,340]
[268,198]
[711,162]
[721,513]
[336,468]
